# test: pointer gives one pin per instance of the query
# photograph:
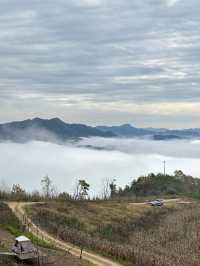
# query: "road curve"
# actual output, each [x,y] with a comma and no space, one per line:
[18,210]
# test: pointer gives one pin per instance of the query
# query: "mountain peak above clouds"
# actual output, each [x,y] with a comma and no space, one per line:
[52,130]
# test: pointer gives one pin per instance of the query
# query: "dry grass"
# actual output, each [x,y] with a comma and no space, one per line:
[91,214]
[55,257]
[146,236]
[106,227]
[175,241]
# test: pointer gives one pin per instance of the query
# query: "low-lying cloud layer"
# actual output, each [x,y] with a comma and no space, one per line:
[179,149]
[97,61]
[124,160]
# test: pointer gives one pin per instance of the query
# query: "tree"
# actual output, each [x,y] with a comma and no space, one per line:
[64,196]
[17,189]
[113,188]
[35,195]
[18,192]
[46,186]
[4,186]
[105,194]
[53,192]
[179,174]
[81,190]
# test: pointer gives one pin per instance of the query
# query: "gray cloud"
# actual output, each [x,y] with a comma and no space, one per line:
[86,56]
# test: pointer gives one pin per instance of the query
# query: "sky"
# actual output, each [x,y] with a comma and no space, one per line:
[101,62]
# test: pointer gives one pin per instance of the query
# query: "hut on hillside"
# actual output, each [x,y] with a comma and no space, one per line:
[24,249]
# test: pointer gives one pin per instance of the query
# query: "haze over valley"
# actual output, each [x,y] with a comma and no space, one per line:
[94,159]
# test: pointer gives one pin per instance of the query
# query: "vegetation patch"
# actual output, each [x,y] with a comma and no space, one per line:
[128,233]
[10,223]
[159,184]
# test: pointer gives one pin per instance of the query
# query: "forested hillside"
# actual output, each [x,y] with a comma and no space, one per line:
[160,184]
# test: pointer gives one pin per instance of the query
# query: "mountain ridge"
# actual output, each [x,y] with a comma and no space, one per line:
[56,130]
[53,130]
[127,130]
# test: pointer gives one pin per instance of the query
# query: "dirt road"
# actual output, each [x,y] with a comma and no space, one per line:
[178,200]
[18,209]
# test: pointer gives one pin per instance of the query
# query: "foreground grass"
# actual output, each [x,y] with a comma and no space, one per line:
[18,232]
[10,223]
[10,226]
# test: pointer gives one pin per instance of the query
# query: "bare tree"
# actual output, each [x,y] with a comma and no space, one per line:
[76,190]
[46,186]
[105,193]
[4,186]
[54,192]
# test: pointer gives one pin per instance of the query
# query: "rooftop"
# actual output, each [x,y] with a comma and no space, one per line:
[22,239]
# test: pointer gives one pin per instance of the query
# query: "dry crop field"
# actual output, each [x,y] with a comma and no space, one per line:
[134,235]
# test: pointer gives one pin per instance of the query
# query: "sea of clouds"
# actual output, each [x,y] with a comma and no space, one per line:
[95,160]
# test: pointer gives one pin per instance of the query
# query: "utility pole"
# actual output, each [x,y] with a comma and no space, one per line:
[164,167]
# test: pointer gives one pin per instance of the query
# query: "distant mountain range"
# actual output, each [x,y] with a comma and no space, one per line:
[55,130]
[127,130]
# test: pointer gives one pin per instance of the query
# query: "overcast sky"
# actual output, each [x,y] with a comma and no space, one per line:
[101,61]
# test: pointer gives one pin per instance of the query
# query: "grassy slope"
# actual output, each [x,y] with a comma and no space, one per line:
[55,257]
[107,227]
[10,223]
[91,213]
[94,218]
[10,227]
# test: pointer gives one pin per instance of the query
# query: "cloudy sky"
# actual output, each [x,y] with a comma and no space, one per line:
[101,61]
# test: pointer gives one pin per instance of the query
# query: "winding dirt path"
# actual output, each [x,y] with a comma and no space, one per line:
[18,210]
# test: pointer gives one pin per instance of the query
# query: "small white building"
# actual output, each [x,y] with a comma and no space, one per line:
[24,249]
